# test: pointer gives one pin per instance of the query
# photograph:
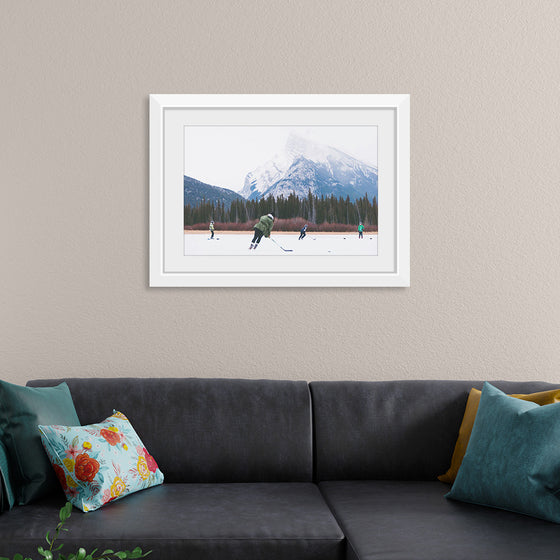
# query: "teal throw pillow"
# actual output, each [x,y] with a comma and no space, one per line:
[7,497]
[100,463]
[513,457]
[21,410]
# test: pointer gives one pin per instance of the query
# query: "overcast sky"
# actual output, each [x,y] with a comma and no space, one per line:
[223,155]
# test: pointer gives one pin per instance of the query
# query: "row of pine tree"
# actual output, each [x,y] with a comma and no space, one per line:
[312,209]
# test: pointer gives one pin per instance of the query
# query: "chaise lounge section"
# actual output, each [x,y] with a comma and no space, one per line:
[379,449]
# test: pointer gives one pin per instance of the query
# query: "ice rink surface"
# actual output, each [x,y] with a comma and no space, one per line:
[320,244]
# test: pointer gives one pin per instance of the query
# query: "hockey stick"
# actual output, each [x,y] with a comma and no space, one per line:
[287,250]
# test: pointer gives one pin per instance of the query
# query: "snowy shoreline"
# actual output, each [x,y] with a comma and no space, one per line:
[250,232]
[281,243]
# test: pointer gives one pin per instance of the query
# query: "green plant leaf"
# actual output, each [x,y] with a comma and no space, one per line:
[18,557]
[121,555]
[65,512]
[104,553]
[68,508]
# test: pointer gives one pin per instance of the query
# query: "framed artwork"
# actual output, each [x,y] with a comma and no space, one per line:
[279,190]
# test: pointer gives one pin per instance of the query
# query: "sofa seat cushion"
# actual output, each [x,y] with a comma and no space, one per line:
[192,521]
[411,520]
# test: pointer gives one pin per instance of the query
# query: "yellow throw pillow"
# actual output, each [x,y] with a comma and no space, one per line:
[541,398]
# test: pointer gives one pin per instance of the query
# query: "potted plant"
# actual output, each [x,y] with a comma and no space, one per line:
[53,553]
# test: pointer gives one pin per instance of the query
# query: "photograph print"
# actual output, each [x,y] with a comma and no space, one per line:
[279,190]
[276,190]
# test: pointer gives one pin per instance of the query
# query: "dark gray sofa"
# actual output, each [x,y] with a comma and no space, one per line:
[285,470]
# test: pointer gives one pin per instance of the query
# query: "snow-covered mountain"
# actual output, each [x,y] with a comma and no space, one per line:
[306,165]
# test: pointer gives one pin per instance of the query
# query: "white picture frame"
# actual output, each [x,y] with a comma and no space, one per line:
[171,267]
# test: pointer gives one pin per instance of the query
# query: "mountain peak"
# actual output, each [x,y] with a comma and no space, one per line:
[297,146]
[309,165]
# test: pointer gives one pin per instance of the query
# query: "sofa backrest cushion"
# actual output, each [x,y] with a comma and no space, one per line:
[208,430]
[400,430]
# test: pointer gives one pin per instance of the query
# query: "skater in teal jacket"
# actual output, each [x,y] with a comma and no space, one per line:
[264,227]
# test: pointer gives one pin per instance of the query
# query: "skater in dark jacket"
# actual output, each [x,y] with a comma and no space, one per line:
[302,231]
[264,227]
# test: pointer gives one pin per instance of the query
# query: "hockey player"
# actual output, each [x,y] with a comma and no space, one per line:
[264,227]
[302,231]
[212,229]
[361,231]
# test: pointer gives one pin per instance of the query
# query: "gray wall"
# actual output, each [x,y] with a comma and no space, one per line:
[484,81]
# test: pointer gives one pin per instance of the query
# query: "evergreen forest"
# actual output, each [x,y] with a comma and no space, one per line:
[326,212]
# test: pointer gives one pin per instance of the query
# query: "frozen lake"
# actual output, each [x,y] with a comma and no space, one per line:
[235,243]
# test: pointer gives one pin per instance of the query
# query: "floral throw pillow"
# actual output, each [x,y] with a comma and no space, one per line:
[99,463]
